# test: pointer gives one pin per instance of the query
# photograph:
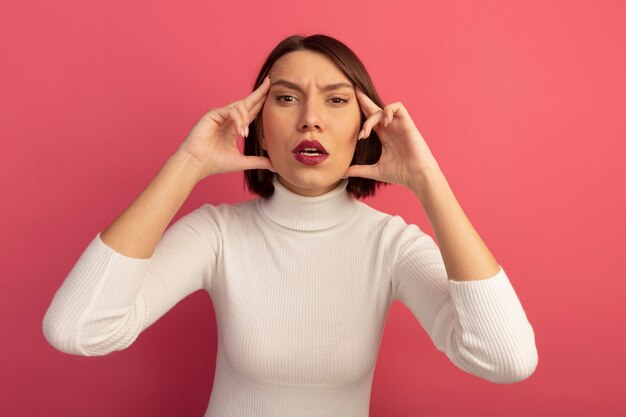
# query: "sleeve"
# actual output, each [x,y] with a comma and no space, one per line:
[108,299]
[480,325]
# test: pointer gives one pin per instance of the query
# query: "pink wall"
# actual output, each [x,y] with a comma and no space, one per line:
[522,104]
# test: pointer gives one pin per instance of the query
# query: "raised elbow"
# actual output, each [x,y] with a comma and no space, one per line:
[62,336]
[501,363]
[517,367]
[91,338]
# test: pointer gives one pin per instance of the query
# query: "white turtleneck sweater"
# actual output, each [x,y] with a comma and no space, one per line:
[301,287]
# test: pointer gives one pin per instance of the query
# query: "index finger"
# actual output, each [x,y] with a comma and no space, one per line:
[368,106]
[257,94]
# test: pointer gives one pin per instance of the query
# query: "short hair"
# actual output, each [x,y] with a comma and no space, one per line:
[367,151]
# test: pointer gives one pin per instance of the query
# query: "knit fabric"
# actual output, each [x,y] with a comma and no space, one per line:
[301,288]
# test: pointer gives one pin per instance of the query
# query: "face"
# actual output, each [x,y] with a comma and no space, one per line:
[298,107]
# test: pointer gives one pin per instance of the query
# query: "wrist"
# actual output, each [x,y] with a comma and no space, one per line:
[187,165]
[422,180]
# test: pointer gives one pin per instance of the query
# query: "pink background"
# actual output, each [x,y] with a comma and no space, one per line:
[522,103]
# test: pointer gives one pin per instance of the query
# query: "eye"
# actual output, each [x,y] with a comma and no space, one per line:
[289,99]
[279,98]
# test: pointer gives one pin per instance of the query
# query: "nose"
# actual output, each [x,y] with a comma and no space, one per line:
[310,118]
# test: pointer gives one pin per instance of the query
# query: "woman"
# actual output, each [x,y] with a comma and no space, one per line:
[302,277]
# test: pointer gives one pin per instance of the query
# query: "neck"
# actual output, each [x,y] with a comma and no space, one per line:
[300,212]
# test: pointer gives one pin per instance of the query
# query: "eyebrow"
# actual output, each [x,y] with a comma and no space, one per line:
[329,87]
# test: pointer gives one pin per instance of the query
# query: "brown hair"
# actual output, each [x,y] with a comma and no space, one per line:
[367,152]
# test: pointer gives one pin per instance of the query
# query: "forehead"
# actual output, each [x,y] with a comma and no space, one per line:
[302,66]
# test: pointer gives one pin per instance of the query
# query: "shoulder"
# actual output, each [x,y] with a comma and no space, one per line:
[393,226]
[398,238]
[370,215]
[214,219]
[223,212]
[395,236]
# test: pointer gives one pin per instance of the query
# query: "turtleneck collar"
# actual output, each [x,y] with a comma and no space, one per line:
[309,213]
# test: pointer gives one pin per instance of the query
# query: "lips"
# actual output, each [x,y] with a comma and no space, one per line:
[310,144]
[310,152]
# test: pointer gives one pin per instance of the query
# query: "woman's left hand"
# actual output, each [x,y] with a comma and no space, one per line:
[405,155]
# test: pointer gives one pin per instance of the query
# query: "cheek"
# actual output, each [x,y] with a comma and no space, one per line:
[271,130]
[270,121]
[350,130]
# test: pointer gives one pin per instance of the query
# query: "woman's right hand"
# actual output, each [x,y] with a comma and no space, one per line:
[212,142]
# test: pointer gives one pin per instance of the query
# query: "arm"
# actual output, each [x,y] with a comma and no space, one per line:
[113,292]
[479,324]
[460,293]
[476,317]
[465,255]
[137,230]
[133,272]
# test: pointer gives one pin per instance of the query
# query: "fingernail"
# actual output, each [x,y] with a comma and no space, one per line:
[386,120]
[361,133]
[241,132]
[247,131]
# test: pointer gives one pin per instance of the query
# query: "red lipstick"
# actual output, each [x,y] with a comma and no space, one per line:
[310,152]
